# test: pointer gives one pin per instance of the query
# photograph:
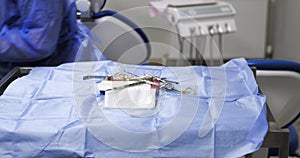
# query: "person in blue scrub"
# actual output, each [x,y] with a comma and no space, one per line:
[38,33]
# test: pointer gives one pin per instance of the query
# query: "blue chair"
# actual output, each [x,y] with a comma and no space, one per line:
[279,80]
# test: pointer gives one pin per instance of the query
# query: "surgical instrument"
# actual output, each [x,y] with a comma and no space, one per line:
[126,86]
[94,76]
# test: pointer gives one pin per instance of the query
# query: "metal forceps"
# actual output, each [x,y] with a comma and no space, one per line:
[149,79]
[145,79]
[94,77]
[163,80]
[170,86]
[126,86]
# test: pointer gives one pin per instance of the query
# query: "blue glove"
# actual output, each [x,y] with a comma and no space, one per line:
[38,32]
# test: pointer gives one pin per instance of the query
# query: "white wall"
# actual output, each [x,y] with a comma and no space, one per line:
[286,33]
[250,39]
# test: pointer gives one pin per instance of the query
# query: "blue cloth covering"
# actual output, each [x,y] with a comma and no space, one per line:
[38,32]
[52,112]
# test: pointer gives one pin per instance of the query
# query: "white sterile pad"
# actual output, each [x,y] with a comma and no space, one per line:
[140,96]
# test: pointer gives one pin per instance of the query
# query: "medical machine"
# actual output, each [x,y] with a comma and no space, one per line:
[206,18]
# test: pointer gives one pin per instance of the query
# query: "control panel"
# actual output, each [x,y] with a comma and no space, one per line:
[209,19]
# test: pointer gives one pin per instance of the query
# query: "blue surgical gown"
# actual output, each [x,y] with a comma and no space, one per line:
[38,32]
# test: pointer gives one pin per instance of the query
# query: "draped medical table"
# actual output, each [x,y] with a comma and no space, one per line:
[53,112]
